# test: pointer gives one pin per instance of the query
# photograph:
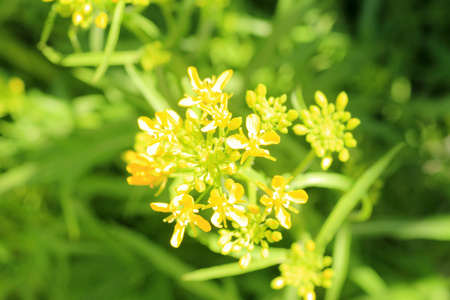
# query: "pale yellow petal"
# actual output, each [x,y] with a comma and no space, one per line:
[188,101]
[195,79]
[237,141]
[253,123]
[161,207]
[238,217]
[283,217]
[297,196]
[222,80]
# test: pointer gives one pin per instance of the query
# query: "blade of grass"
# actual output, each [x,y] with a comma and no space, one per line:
[349,200]
[166,263]
[432,228]
[92,58]
[322,179]
[111,41]
[150,93]
[341,256]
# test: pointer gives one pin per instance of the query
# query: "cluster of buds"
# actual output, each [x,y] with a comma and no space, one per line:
[86,12]
[327,127]
[203,149]
[274,115]
[258,231]
[305,269]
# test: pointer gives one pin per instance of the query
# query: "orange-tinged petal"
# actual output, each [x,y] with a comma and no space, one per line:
[201,223]
[297,196]
[195,79]
[277,181]
[283,217]
[269,138]
[161,207]
[177,236]
[222,80]
[237,141]
[253,123]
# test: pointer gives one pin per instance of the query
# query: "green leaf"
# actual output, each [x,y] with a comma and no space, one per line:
[322,179]
[349,200]
[432,228]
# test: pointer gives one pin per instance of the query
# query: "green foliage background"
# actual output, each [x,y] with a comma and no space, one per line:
[71,227]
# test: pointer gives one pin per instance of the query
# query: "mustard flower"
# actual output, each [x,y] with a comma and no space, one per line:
[163,128]
[280,200]
[221,116]
[327,127]
[305,269]
[208,90]
[228,208]
[146,171]
[256,137]
[184,211]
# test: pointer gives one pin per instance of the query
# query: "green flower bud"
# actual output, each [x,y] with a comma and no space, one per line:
[320,98]
[250,98]
[341,101]
[353,123]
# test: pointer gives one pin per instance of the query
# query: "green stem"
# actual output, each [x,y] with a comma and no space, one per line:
[305,163]
[47,30]
[111,42]
[251,186]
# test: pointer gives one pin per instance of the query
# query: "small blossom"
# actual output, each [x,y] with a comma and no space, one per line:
[228,208]
[208,90]
[256,137]
[221,116]
[279,200]
[184,212]
[326,128]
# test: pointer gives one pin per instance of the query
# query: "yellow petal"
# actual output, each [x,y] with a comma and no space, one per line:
[283,217]
[265,200]
[201,223]
[216,219]
[264,188]
[253,123]
[195,79]
[177,236]
[161,207]
[297,196]
[277,181]
[237,141]
[238,217]
[222,80]
[145,124]
[211,126]
[269,138]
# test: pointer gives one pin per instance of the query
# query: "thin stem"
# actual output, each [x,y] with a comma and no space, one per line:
[251,186]
[305,163]
[48,28]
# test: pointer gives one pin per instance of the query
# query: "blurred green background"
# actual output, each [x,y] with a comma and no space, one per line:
[71,227]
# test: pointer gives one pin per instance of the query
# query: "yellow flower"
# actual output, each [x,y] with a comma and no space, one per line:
[279,200]
[228,208]
[256,137]
[145,170]
[164,127]
[221,116]
[208,90]
[184,211]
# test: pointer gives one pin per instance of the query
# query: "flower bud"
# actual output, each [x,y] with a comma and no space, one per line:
[250,98]
[101,20]
[244,261]
[320,98]
[341,101]
[353,123]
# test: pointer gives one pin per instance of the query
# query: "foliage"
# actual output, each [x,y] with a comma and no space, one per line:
[76,76]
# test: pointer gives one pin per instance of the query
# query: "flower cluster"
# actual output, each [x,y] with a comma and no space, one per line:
[327,127]
[306,269]
[273,113]
[86,12]
[206,148]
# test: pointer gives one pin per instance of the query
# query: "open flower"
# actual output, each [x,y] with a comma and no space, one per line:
[228,208]
[280,200]
[184,211]
[164,127]
[220,114]
[256,137]
[208,90]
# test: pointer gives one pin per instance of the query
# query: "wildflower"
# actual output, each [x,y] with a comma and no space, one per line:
[256,137]
[257,232]
[221,116]
[208,90]
[327,126]
[163,128]
[184,212]
[228,208]
[280,200]
[305,270]
[272,111]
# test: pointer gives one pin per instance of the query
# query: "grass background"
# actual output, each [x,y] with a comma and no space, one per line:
[71,227]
